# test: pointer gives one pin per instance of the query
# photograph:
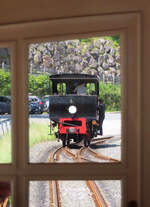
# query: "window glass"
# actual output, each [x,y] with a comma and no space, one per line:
[5,194]
[91,90]
[61,89]
[75,81]
[5,106]
[75,193]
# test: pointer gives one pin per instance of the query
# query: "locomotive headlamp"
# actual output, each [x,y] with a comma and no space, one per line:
[72,109]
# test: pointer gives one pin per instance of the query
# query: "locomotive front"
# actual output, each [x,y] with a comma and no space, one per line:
[74,113]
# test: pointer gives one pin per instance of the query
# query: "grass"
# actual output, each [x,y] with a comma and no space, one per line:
[5,148]
[38,132]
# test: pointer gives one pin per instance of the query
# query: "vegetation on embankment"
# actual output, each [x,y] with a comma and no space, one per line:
[5,148]
[38,132]
[111,95]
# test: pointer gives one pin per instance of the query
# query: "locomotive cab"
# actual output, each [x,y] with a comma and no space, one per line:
[74,113]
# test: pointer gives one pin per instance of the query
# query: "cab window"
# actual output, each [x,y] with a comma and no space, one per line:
[91,89]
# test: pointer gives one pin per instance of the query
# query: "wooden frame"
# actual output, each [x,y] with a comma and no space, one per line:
[19,36]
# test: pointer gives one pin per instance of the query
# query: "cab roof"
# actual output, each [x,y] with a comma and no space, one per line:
[74,76]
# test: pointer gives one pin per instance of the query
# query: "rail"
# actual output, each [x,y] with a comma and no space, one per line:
[54,184]
[96,193]
[55,194]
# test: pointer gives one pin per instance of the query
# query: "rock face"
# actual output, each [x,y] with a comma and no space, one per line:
[98,56]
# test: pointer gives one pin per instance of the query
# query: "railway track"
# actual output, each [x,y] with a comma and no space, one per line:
[79,156]
[53,184]
[100,140]
[96,194]
[54,194]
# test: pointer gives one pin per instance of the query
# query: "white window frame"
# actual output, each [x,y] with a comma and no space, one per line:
[17,37]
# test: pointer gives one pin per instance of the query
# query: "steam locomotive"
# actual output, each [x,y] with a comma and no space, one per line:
[76,115]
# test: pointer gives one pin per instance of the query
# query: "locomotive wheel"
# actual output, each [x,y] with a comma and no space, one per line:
[78,140]
[68,142]
[64,142]
[86,142]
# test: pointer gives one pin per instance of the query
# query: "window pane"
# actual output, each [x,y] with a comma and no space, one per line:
[5,191]
[63,108]
[75,193]
[5,106]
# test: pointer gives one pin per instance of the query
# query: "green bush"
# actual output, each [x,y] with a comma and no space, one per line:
[39,85]
[111,95]
[5,148]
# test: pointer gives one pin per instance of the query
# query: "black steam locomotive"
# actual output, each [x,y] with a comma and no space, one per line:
[73,109]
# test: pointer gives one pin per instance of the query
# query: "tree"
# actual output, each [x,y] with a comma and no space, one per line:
[5,82]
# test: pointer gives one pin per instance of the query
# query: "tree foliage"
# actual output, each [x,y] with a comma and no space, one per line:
[114,39]
[39,85]
[5,83]
[111,95]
